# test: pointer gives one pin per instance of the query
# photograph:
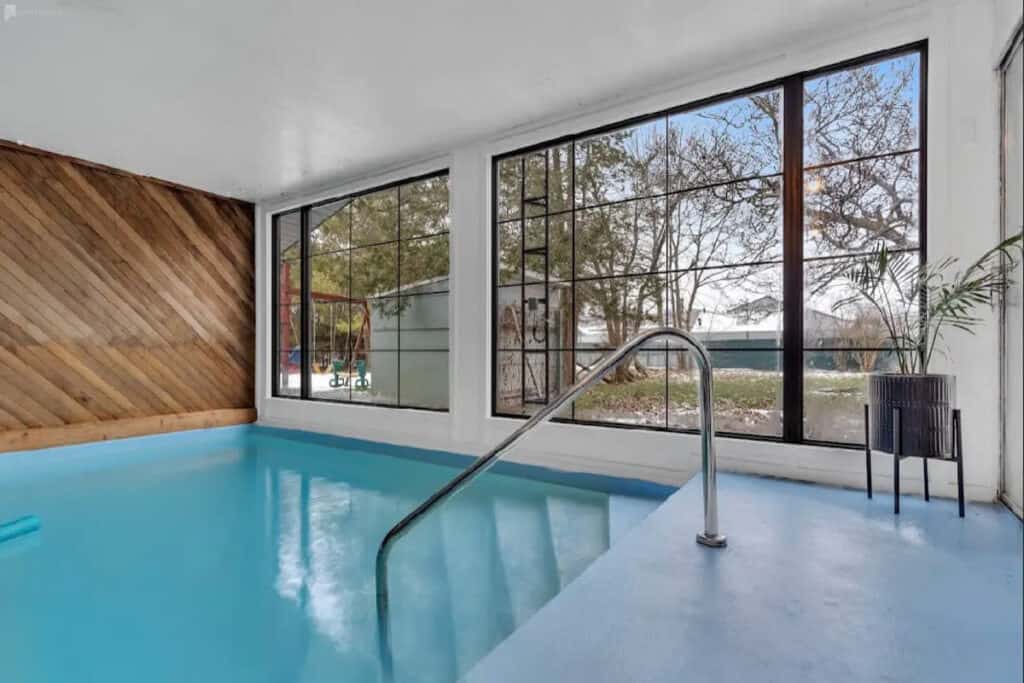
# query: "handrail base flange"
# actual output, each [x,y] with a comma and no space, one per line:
[711,540]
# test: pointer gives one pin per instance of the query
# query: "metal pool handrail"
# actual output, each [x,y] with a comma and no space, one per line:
[708,537]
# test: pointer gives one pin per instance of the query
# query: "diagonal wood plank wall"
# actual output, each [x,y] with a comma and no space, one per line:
[121,298]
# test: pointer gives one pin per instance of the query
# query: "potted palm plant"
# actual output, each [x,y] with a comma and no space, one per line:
[917,304]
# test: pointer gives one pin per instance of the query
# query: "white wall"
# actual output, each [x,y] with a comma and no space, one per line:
[962,220]
[1008,15]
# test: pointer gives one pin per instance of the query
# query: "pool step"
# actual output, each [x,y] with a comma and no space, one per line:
[19,527]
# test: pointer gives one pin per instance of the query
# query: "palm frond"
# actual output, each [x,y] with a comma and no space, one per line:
[916,301]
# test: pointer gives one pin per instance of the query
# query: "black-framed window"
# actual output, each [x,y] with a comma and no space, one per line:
[734,217]
[361,297]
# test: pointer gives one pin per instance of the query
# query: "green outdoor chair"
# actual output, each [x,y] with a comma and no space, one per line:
[338,381]
[361,384]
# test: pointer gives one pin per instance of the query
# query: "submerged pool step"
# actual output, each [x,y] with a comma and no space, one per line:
[19,527]
[527,557]
[480,605]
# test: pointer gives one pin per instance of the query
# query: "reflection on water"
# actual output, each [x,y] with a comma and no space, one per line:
[260,568]
[461,582]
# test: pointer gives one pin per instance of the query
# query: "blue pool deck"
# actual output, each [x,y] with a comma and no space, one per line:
[818,584]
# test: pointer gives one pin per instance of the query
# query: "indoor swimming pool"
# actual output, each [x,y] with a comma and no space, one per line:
[246,554]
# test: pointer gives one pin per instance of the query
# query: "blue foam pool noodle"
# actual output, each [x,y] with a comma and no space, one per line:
[19,527]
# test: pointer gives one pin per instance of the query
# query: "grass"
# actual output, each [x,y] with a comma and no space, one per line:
[746,402]
[734,390]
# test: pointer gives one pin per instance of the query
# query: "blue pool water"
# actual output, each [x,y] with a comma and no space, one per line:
[247,555]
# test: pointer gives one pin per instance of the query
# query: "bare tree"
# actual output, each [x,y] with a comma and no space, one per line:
[865,333]
[685,210]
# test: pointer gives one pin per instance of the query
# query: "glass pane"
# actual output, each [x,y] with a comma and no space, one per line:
[424,206]
[333,334]
[288,271]
[856,207]
[536,233]
[289,374]
[508,385]
[835,391]
[330,341]
[289,234]
[560,247]
[384,316]
[535,319]
[726,141]
[536,266]
[289,330]
[374,271]
[290,351]
[424,379]
[423,322]
[748,391]
[359,330]
[836,315]
[726,225]
[535,365]
[289,249]
[633,393]
[338,329]
[548,180]
[332,382]
[375,378]
[623,164]
[560,377]
[330,275]
[510,253]
[521,374]
[621,239]
[557,312]
[559,178]
[868,110]
[612,310]
[330,227]
[375,217]
[546,318]
[738,307]
[536,199]
[508,318]
[425,263]
[289,281]
[510,188]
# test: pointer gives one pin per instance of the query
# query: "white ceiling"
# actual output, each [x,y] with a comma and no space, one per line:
[255,99]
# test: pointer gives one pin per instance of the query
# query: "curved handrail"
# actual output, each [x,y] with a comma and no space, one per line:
[709,537]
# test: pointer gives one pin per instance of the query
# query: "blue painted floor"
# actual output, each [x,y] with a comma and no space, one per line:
[817,584]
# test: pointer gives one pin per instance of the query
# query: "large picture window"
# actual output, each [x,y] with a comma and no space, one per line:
[691,218]
[361,296]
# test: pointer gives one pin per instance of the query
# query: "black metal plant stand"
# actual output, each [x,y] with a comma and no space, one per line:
[958,457]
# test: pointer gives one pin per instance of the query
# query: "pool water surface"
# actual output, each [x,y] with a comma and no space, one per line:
[245,554]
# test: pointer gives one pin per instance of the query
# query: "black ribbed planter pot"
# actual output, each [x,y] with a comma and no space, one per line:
[926,405]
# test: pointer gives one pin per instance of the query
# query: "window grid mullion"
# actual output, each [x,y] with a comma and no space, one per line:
[793,276]
[401,301]
[572,272]
[275,314]
[304,309]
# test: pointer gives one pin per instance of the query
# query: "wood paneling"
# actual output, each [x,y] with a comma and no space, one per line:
[84,432]
[121,298]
